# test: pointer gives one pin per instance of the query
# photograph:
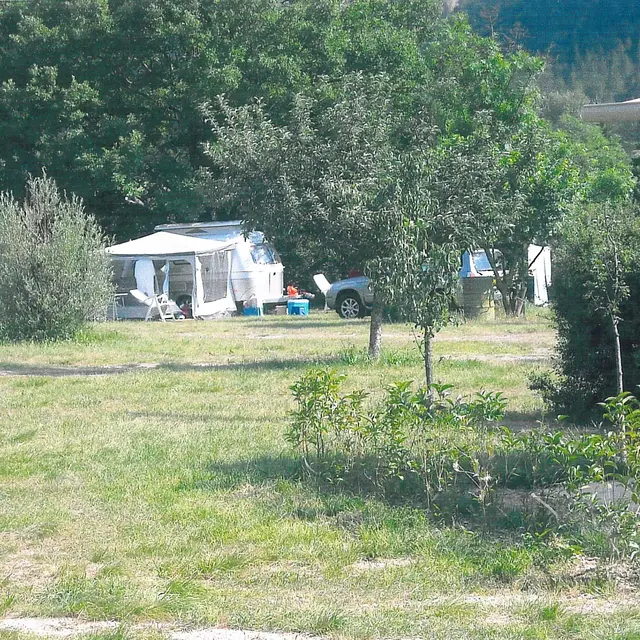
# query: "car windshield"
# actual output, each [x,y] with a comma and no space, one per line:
[264,254]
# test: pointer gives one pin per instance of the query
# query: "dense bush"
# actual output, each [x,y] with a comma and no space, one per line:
[54,273]
[594,245]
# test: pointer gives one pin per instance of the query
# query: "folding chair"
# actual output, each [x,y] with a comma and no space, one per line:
[156,304]
[324,285]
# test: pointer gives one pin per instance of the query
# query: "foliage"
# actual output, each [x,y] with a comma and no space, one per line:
[596,264]
[403,443]
[425,446]
[54,274]
[108,95]
[591,48]
[367,171]
[604,169]
[345,183]
[326,176]
[317,184]
[509,187]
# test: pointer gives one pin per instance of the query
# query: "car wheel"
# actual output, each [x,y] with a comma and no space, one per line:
[349,306]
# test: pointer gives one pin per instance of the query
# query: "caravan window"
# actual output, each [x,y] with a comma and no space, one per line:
[264,254]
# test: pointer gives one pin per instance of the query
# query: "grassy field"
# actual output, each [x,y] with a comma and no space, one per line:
[163,490]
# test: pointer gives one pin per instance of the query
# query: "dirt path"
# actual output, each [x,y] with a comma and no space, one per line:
[68,627]
[498,609]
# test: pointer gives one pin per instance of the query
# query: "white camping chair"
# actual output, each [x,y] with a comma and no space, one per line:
[324,285]
[157,304]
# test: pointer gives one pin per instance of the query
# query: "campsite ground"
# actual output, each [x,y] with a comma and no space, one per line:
[144,478]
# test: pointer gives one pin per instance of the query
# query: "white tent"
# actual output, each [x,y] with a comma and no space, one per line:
[195,268]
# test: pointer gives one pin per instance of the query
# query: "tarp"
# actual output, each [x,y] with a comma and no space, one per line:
[540,267]
[163,243]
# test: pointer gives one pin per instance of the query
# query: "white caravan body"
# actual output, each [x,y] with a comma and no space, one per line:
[256,267]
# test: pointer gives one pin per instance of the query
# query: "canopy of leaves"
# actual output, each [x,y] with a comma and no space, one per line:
[107,94]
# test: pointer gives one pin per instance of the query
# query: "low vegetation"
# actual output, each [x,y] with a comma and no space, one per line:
[451,456]
[164,489]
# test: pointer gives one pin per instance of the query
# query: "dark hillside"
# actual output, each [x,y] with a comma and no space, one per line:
[567,29]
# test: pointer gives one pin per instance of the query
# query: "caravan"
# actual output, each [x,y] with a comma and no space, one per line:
[207,269]
[256,267]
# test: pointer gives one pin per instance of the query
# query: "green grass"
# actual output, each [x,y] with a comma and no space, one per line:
[169,493]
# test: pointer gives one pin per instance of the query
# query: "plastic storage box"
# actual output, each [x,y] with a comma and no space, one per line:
[298,307]
[252,311]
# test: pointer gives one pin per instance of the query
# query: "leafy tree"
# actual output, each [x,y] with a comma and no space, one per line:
[510,188]
[337,181]
[108,95]
[54,273]
[324,184]
[613,259]
[424,279]
[596,292]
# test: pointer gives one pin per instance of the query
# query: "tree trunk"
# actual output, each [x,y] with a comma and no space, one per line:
[428,358]
[375,331]
[519,287]
[504,289]
[519,300]
[618,350]
[503,282]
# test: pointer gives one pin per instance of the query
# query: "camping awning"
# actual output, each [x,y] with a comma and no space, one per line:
[162,244]
[612,111]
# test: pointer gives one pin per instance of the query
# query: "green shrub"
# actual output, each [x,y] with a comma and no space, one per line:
[448,453]
[54,273]
[414,442]
[583,293]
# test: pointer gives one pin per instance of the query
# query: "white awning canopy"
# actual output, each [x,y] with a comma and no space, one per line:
[162,244]
[612,111]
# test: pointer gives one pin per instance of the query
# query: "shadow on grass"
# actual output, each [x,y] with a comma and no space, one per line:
[348,357]
[230,476]
[526,420]
[267,470]
[61,371]
[302,322]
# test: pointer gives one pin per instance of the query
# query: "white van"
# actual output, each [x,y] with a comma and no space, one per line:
[256,267]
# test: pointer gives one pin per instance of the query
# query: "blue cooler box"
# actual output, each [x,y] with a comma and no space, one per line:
[298,307]
[252,311]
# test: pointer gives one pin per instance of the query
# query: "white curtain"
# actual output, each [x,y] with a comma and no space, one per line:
[215,276]
[145,274]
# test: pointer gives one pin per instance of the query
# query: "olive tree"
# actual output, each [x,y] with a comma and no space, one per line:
[54,273]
